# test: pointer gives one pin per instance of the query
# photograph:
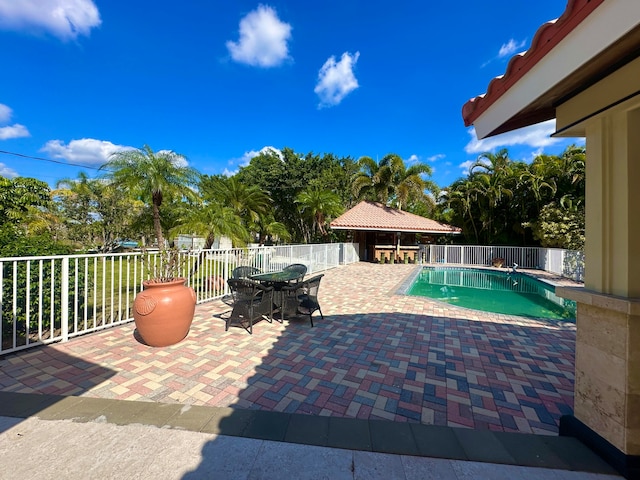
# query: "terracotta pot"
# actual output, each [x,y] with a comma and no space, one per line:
[163,312]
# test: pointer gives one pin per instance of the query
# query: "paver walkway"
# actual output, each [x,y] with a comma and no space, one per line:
[376,355]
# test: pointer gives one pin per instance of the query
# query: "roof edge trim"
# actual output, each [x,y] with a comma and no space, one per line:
[547,37]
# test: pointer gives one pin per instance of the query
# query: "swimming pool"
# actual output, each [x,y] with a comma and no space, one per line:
[493,291]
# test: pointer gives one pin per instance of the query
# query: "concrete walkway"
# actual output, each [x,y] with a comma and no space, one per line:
[49,437]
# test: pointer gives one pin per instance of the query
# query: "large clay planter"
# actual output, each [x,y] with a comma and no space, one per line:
[163,312]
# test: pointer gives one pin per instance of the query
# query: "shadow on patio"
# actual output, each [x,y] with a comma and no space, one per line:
[378,369]
[58,377]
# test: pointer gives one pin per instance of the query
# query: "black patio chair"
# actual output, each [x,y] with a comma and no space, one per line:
[244,271]
[298,268]
[251,302]
[304,296]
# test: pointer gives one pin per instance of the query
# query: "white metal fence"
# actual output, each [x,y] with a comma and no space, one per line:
[567,263]
[53,298]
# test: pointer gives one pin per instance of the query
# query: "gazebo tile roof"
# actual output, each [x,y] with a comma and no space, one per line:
[376,216]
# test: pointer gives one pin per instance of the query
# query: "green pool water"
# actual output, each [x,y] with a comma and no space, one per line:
[493,291]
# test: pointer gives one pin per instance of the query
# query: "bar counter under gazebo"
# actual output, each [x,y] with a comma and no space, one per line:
[389,235]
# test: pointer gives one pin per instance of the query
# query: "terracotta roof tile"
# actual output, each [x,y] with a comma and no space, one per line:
[376,216]
[544,40]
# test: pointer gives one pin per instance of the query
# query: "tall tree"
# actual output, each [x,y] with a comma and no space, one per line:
[152,177]
[461,198]
[28,226]
[392,183]
[318,206]
[20,194]
[283,175]
[94,213]
[249,202]
[213,220]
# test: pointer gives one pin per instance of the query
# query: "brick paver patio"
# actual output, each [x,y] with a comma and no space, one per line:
[376,355]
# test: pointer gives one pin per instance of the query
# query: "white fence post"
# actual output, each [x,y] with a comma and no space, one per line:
[64,299]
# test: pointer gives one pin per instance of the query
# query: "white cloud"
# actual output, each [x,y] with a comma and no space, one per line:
[86,151]
[506,50]
[247,156]
[509,48]
[413,158]
[536,136]
[263,39]
[7,171]
[13,131]
[336,80]
[436,157]
[5,113]
[178,159]
[65,19]
[10,131]
[535,154]
[465,166]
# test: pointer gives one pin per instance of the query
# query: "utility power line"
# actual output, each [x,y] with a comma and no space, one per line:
[15,154]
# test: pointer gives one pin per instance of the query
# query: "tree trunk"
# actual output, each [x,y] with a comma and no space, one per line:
[157,226]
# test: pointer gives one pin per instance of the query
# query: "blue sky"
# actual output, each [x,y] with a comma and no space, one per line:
[217,81]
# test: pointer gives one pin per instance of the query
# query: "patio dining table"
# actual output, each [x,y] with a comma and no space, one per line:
[273,278]
[277,280]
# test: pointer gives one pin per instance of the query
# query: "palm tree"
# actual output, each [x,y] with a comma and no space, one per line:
[573,168]
[370,182]
[152,176]
[266,226]
[250,202]
[493,163]
[80,192]
[491,175]
[391,182]
[214,220]
[461,197]
[318,205]
[409,183]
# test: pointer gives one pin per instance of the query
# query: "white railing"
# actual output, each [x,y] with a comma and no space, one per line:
[567,263]
[54,298]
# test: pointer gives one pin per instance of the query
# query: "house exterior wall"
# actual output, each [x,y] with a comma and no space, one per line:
[612,245]
[607,388]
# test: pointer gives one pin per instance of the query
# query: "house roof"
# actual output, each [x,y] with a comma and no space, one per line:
[376,216]
[566,56]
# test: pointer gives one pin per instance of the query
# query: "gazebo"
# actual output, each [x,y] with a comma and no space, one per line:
[387,234]
[583,69]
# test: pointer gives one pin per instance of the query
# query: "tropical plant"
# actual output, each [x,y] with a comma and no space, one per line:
[152,177]
[249,202]
[94,213]
[268,228]
[392,183]
[460,198]
[20,194]
[213,220]
[317,207]
[167,265]
[561,225]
